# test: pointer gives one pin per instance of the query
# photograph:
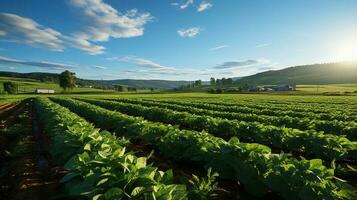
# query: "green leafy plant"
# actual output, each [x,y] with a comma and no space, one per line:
[12,131]
[203,188]
[309,143]
[254,165]
[99,167]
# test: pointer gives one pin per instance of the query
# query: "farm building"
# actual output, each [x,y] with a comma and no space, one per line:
[280,88]
[44,91]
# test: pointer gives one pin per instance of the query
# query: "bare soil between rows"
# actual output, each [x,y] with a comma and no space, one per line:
[27,171]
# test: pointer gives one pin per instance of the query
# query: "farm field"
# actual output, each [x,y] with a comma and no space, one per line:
[179,146]
[329,88]
[30,85]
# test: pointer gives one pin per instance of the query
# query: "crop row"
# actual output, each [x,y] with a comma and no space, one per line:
[332,127]
[267,110]
[99,166]
[305,109]
[328,147]
[318,100]
[252,164]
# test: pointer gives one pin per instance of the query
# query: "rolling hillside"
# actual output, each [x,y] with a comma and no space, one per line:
[26,85]
[159,84]
[141,84]
[318,74]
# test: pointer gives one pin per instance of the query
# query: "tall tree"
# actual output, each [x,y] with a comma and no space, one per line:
[229,81]
[120,88]
[213,81]
[67,80]
[224,81]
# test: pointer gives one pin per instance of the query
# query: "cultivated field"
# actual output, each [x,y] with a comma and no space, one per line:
[179,146]
[30,85]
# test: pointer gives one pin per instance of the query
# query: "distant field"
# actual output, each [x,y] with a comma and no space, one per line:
[30,85]
[334,88]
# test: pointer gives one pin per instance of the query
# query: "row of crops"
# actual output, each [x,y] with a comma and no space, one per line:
[335,127]
[294,157]
[326,146]
[98,163]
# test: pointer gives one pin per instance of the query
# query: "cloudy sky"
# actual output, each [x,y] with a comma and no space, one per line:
[174,39]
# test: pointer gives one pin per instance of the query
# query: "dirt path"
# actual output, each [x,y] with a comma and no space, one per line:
[6,108]
[29,172]
[3,105]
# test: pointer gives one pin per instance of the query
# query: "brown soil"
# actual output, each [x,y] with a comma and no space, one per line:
[5,108]
[3,105]
[29,172]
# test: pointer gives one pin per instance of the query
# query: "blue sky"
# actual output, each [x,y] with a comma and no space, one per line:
[174,39]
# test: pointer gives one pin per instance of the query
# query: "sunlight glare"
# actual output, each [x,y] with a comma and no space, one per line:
[347,51]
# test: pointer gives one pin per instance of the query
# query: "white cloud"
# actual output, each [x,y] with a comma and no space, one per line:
[42,64]
[149,69]
[190,32]
[152,70]
[84,45]
[112,58]
[262,45]
[144,63]
[204,6]
[99,67]
[48,65]
[26,31]
[23,30]
[2,33]
[103,22]
[218,47]
[184,5]
[240,64]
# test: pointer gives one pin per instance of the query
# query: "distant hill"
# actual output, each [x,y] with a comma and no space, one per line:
[318,74]
[51,77]
[331,73]
[159,84]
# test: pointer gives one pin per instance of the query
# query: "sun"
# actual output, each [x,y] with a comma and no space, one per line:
[347,51]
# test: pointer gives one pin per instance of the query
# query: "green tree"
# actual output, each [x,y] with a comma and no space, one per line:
[120,88]
[229,81]
[132,89]
[224,81]
[213,81]
[67,80]
[10,87]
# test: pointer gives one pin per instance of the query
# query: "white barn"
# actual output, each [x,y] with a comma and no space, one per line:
[44,91]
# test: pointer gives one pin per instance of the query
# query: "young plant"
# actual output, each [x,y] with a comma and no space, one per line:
[203,188]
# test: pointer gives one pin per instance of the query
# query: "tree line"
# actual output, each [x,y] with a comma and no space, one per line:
[220,82]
